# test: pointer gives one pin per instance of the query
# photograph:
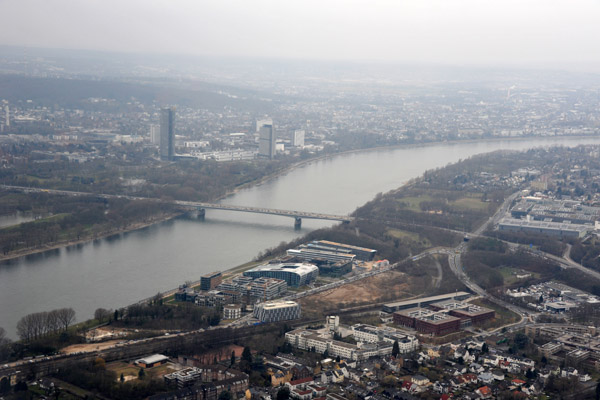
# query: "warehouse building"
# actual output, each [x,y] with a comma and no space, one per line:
[560,229]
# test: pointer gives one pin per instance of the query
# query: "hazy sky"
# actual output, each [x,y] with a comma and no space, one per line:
[542,32]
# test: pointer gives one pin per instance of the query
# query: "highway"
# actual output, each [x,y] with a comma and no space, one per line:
[454,260]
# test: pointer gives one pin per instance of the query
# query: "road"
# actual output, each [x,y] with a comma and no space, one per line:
[454,260]
[190,204]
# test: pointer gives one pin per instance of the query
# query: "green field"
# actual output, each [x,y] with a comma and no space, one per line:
[413,203]
[405,235]
[469,203]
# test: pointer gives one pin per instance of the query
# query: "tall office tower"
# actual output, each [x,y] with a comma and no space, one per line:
[167,133]
[261,122]
[155,134]
[298,138]
[7,122]
[266,142]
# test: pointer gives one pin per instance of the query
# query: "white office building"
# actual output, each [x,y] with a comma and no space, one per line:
[277,311]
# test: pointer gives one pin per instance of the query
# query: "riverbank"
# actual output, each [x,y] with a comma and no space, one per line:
[309,161]
[101,235]
[268,178]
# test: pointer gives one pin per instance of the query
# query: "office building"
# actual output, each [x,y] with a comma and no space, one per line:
[261,122]
[298,138]
[294,274]
[263,289]
[266,142]
[210,281]
[467,312]
[167,133]
[423,301]
[155,134]
[427,321]
[277,311]
[232,311]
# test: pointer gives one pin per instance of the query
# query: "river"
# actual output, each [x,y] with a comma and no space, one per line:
[125,268]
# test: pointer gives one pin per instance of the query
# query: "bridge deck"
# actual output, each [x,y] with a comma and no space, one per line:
[193,204]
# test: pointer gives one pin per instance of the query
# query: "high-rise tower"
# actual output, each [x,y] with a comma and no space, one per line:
[266,141]
[167,133]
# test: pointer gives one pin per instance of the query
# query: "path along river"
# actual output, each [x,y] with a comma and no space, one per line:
[123,269]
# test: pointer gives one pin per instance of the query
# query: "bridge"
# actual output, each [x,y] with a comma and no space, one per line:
[198,208]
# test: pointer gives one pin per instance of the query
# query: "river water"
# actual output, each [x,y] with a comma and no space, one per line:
[125,268]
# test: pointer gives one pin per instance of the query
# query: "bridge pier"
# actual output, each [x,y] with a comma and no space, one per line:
[197,213]
[297,222]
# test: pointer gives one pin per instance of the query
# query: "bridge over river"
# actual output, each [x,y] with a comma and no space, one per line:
[198,208]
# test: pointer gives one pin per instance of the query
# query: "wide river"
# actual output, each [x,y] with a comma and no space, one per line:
[123,269]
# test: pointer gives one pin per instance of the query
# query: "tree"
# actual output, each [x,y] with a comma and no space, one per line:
[99,363]
[66,316]
[4,385]
[215,361]
[141,373]
[5,345]
[283,393]
[338,359]
[598,390]
[247,355]
[485,348]
[521,340]
[232,361]
[326,354]
[101,314]
[122,379]
[116,316]
[225,395]
[396,349]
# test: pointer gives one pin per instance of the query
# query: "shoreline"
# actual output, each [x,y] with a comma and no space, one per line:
[290,168]
[103,235]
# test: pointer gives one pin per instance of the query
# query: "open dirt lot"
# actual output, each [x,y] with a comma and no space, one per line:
[87,347]
[388,286]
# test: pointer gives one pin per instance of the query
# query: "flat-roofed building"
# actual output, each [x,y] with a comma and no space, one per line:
[232,311]
[264,289]
[152,361]
[561,229]
[362,253]
[423,301]
[294,274]
[472,313]
[277,311]
[373,334]
[210,281]
[427,321]
[185,377]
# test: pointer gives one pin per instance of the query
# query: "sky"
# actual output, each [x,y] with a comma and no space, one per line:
[460,32]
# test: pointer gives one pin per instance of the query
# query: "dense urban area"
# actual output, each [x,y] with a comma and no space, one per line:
[477,280]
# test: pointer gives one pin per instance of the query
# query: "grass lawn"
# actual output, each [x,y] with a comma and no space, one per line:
[469,203]
[414,203]
[120,367]
[509,276]
[415,237]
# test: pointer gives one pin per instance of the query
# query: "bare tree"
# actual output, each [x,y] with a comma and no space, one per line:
[102,314]
[4,345]
[66,316]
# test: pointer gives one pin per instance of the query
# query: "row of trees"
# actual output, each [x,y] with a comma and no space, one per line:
[37,325]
